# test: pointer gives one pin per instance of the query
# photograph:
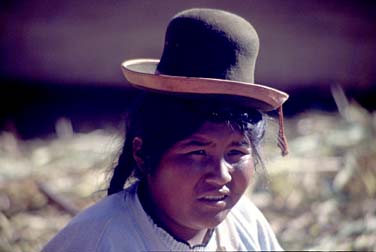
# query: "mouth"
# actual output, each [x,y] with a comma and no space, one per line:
[214,201]
[214,198]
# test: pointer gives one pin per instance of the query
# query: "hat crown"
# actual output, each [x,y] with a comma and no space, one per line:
[211,44]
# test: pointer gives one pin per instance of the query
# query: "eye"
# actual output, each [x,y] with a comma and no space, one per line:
[237,153]
[198,152]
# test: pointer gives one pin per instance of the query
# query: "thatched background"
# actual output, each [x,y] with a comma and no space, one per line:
[321,196]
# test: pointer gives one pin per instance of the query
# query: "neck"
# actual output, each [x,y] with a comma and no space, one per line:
[183,234]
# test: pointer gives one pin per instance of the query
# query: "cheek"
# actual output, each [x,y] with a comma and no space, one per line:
[242,175]
[177,172]
[172,186]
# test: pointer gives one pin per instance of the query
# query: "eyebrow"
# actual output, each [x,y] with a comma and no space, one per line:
[201,143]
[241,143]
[194,142]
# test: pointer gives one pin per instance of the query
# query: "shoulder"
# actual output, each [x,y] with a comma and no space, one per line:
[252,226]
[95,228]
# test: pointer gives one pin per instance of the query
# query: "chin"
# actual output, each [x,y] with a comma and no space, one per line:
[214,220]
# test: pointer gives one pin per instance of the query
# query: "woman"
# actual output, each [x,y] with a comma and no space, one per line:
[191,145]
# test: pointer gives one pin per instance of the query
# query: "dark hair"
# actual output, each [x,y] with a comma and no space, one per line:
[162,120]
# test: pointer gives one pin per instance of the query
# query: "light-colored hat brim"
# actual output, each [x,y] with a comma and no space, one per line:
[141,73]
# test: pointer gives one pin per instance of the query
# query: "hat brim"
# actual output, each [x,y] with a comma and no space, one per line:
[141,73]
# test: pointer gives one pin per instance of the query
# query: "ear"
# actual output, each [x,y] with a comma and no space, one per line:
[136,151]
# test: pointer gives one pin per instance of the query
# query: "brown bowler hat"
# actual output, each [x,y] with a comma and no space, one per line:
[208,52]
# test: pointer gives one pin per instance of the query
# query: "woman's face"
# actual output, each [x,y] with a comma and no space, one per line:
[200,178]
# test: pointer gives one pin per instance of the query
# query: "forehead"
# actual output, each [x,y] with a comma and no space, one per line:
[212,132]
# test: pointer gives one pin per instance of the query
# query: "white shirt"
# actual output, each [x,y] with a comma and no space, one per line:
[118,223]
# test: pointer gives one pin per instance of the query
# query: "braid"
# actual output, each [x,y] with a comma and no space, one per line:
[123,169]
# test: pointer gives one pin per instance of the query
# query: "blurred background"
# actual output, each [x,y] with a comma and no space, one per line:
[62,99]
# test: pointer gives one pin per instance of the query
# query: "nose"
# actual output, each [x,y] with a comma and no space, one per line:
[220,173]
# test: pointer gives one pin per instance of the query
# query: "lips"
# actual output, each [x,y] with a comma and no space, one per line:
[217,199]
[214,197]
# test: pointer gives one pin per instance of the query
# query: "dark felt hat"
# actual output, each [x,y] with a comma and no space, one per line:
[207,52]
